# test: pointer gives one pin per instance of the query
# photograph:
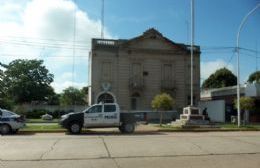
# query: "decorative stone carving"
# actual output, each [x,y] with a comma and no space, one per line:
[106,86]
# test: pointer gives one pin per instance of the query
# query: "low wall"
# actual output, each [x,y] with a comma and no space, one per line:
[50,108]
[146,116]
[154,117]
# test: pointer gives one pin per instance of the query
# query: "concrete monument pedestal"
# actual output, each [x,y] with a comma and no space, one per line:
[192,116]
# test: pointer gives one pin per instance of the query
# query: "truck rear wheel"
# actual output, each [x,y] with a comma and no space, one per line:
[128,128]
[121,129]
[75,128]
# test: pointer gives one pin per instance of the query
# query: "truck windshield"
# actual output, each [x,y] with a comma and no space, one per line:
[7,113]
[94,109]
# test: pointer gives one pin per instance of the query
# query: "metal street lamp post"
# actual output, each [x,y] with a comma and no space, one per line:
[237,50]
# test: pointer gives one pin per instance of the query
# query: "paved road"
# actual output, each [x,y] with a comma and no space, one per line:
[213,149]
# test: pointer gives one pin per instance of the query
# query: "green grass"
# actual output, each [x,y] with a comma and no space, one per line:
[41,121]
[43,128]
[221,127]
[229,125]
[55,127]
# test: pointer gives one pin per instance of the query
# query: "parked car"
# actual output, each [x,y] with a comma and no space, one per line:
[10,122]
[47,117]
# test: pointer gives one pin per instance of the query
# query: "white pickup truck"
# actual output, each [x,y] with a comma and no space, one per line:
[99,116]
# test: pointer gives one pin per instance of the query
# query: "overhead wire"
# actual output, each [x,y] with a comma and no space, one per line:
[47,45]
[40,39]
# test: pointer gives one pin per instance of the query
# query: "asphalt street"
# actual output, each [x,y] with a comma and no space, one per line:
[148,149]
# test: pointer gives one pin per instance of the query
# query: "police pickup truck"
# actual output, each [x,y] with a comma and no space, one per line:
[99,116]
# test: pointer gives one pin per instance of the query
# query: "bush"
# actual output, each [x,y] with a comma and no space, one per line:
[20,109]
[57,113]
[246,103]
[6,103]
[37,113]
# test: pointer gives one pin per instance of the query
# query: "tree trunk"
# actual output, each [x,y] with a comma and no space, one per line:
[246,117]
[161,116]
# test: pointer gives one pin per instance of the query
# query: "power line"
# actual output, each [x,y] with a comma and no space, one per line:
[46,56]
[230,59]
[33,43]
[41,39]
[215,47]
[81,45]
[226,48]
[43,45]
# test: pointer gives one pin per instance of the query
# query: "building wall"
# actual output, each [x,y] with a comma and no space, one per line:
[153,58]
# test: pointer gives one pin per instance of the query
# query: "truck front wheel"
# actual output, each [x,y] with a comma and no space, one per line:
[5,129]
[75,128]
[127,128]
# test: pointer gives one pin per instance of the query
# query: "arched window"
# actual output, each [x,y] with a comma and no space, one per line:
[105,98]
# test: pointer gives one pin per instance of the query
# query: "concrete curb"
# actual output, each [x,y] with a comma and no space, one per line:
[209,130]
[139,132]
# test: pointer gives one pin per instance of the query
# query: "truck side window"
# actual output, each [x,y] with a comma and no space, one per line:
[109,108]
[95,109]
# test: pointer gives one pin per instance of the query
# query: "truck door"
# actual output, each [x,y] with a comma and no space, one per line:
[93,116]
[111,115]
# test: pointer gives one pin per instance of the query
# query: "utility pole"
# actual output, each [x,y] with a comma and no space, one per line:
[187,27]
[256,57]
[102,19]
[74,49]
[191,51]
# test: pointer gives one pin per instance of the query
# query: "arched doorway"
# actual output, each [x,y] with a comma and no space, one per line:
[105,98]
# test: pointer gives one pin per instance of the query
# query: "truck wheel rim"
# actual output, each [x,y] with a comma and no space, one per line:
[75,128]
[129,127]
[5,129]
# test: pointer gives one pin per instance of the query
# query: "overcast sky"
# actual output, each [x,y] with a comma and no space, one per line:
[44,29]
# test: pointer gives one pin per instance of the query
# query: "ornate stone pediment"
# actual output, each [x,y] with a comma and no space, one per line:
[153,40]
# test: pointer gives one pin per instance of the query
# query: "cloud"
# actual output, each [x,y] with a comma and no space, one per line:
[60,86]
[66,76]
[10,11]
[44,29]
[207,68]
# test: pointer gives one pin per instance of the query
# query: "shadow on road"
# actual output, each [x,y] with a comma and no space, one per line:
[20,134]
[90,133]
[117,133]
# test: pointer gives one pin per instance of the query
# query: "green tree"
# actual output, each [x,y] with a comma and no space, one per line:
[84,91]
[254,77]
[72,96]
[6,103]
[162,102]
[26,80]
[247,104]
[221,78]
[53,99]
